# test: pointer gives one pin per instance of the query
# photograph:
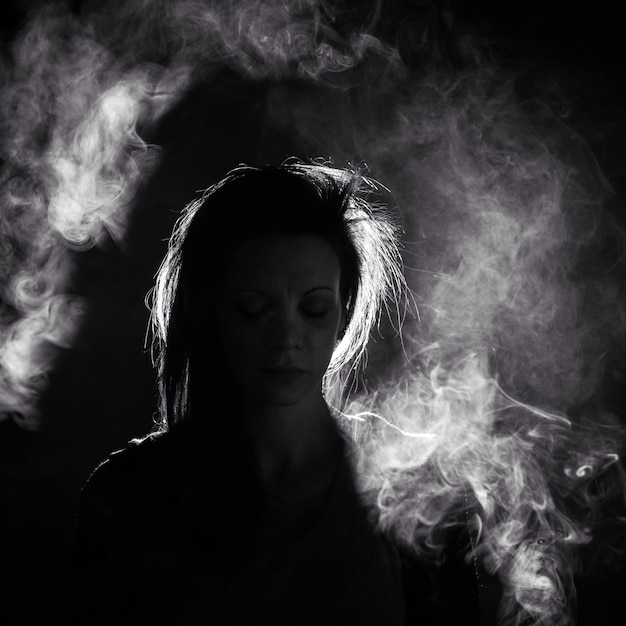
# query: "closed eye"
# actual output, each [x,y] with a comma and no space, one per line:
[317,305]
[251,307]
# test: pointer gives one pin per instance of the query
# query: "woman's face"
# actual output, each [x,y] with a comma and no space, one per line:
[279,314]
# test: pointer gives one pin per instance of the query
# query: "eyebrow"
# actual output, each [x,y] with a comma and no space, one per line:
[321,288]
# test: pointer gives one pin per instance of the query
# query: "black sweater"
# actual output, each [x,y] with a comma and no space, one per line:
[165,535]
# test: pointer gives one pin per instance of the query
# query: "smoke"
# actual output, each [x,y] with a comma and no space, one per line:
[72,162]
[492,403]
[81,88]
[487,412]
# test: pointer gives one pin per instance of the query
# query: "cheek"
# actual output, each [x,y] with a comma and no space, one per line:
[324,337]
[240,343]
[323,341]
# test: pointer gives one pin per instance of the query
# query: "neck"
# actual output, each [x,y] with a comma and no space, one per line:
[288,439]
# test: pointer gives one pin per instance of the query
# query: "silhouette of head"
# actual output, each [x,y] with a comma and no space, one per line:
[267,257]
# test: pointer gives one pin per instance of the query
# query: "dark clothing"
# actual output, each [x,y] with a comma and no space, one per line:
[166,535]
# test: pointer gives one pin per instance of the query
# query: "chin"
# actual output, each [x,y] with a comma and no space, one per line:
[282,399]
[282,391]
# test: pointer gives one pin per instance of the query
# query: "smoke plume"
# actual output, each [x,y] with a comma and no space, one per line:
[487,411]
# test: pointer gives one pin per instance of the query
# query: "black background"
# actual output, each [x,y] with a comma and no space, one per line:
[102,393]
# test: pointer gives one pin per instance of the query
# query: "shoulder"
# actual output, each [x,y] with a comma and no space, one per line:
[124,460]
[142,464]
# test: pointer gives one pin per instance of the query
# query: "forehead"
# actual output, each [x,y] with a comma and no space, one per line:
[278,262]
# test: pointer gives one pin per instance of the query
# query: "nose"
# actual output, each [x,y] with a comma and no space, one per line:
[285,331]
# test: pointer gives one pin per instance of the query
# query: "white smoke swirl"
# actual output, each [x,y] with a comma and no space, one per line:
[486,412]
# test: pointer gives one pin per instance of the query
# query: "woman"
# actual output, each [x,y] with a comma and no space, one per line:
[242,507]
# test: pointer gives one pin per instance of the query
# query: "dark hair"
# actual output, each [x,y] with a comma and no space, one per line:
[290,199]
